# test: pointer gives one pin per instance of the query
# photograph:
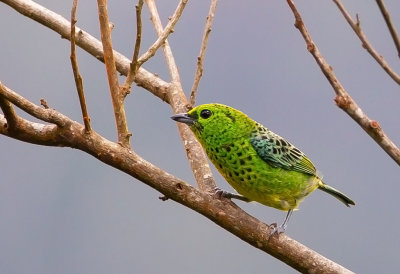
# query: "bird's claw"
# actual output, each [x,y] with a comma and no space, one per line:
[228,195]
[276,230]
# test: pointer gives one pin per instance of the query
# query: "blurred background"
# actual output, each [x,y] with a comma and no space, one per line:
[63,211]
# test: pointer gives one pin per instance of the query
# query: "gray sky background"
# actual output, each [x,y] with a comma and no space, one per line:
[62,211]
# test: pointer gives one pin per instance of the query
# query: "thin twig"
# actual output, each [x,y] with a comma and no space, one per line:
[356,26]
[134,65]
[200,58]
[163,34]
[390,25]
[75,69]
[343,99]
[169,28]
[117,99]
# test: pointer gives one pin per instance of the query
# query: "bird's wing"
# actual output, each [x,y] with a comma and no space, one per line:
[278,152]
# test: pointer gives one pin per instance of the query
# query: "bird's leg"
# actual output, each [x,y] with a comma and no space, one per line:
[280,229]
[225,194]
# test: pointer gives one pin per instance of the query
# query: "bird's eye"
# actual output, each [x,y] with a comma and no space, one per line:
[205,113]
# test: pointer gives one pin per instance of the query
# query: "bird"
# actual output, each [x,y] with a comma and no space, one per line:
[260,165]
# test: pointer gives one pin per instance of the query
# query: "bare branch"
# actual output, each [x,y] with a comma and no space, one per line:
[47,115]
[9,112]
[163,35]
[134,66]
[200,58]
[178,101]
[165,91]
[75,69]
[221,211]
[343,99]
[390,25]
[169,57]
[356,26]
[88,43]
[30,132]
[117,98]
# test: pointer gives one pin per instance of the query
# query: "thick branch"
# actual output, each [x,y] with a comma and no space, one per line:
[356,26]
[47,115]
[30,132]
[343,99]
[223,212]
[116,97]
[178,101]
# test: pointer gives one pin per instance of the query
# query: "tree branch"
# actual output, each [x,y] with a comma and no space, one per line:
[221,211]
[116,97]
[134,65]
[169,57]
[200,58]
[75,70]
[9,113]
[343,99]
[47,115]
[163,35]
[366,44]
[158,87]
[178,101]
[390,25]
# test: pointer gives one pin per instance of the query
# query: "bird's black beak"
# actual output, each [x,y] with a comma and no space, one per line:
[183,118]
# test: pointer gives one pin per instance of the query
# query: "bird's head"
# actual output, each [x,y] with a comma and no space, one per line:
[216,123]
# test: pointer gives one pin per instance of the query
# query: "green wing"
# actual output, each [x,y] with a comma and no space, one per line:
[278,152]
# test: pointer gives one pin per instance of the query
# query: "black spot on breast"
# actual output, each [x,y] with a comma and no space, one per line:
[230,117]
[241,161]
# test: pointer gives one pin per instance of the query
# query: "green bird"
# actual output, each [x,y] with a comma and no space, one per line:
[259,164]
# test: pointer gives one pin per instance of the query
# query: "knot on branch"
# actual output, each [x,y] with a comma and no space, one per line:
[343,101]
[376,129]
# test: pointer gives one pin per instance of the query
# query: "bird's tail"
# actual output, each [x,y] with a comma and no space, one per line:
[336,193]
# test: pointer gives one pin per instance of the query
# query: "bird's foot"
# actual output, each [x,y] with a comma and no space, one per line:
[225,194]
[276,230]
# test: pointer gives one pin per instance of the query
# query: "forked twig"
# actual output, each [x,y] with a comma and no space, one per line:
[134,65]
[163,33]
[343,99]
[75,69]
[200,58]
[356,26]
